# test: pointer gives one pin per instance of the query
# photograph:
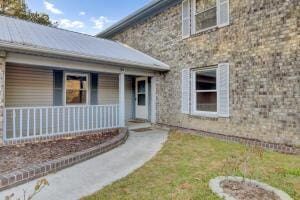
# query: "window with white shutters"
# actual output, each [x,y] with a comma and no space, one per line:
[185,94]
[223,90]
[186,22]
[210,91]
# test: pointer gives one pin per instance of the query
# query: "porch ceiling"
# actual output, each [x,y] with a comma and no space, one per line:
[24,36]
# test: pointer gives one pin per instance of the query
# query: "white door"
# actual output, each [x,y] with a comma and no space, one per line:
[141,96]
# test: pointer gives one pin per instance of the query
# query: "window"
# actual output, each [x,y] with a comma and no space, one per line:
[76,89]
[205,14]
[205,90]
[200,15]
[141,93]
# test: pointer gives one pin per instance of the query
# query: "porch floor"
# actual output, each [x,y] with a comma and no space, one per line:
[138,125]
[100,171]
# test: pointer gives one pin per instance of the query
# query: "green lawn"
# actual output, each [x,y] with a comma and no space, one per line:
[186,163]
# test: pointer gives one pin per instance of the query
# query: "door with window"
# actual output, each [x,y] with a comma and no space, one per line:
[141,103]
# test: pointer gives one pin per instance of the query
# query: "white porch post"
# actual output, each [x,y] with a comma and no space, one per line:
[153,100]
[2,95]
[122,99]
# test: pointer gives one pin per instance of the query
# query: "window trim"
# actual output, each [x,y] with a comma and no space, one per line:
[196,13]
[87,90]
[194,110]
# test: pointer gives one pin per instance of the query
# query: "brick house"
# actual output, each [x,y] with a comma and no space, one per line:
[234,65]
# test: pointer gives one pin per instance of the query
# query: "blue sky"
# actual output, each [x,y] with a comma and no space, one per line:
[86,16]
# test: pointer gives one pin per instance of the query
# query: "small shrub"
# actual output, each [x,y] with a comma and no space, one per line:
[40,185]
[241,162]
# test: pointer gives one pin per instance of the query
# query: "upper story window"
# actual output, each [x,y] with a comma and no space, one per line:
[205,14]
[200,15]
[76,88]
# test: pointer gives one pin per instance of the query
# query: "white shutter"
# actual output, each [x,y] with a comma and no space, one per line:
[186,26]
[223,90]
[185,93]
[223,12]
[193,17]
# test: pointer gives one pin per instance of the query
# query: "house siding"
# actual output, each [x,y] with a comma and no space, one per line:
[108,89]
[108,92]
[27,86]
[261,44]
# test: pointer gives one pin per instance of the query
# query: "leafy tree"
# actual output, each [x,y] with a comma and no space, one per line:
[19,9]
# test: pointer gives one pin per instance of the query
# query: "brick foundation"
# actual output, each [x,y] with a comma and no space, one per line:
[251,142]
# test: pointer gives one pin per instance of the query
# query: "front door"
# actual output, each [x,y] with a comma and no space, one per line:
[141,96]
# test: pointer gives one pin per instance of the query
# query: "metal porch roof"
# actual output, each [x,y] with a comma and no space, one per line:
[23,35]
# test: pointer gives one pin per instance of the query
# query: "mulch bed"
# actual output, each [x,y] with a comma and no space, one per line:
[247,191]
[24,155]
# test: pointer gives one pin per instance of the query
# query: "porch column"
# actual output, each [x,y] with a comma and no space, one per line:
[122,99]
[153,100]
[2,94]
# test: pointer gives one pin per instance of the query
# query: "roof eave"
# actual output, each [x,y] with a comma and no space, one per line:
[139,15]
[119,62]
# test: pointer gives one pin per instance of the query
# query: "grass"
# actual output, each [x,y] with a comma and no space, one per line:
[186,163]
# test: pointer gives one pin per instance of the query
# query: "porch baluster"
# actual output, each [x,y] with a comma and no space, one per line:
[14,123]
[28,122]
[41,121]
[47,132]
[21,122]
[52,120]
[34,121]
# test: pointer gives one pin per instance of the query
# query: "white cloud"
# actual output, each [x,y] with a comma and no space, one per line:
[82,13]
[50,7]
[69,24]
[101,22]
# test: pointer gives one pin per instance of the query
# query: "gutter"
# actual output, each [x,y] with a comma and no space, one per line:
[154,7]
[101,59]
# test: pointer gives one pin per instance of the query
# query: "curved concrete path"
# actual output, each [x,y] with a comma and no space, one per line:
[90,176]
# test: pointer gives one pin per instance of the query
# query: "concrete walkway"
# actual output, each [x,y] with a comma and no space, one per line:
[90,176]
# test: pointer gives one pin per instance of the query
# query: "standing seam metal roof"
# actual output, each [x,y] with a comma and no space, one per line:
[24,35]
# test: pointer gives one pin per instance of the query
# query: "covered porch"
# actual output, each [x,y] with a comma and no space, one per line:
[57,83]
[42,102]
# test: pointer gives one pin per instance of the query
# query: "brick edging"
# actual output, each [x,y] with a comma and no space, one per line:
[17,177]
[282,148]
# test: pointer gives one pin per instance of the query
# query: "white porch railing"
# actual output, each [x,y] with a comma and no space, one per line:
[35,122]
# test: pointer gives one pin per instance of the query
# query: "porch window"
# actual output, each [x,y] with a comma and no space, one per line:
[205,91]
[76,89]
[205,14]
